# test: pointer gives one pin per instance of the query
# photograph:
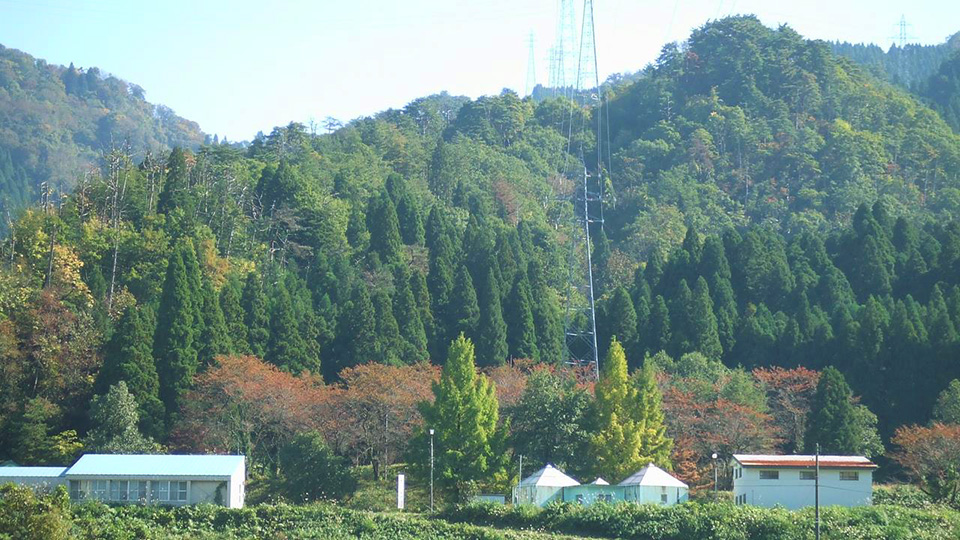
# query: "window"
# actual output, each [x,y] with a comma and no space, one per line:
[181,493]
[849,476]
[663,498]
[75,492]
[769,475]
[99,489]
[808,475]
[580,499]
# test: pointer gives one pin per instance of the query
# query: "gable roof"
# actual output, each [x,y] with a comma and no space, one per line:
[651,475]
[155,465]
[32,472]
[804,461]
[600,482]
[549,476]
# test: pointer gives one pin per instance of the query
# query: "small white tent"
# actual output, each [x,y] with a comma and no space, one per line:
[542,487]
[600,482]
[652,484]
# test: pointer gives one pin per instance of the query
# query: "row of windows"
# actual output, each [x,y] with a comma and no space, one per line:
[128,490]
[847,476]
[741,499]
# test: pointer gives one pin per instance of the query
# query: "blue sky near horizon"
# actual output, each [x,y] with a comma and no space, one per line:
[240,67]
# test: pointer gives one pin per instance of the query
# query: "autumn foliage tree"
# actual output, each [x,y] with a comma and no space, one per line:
[244,405]
[931,455]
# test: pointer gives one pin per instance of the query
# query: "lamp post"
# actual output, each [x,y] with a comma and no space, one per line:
[431,470]
[716,494]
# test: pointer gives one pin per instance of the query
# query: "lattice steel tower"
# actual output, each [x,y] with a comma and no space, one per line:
[563,65]
[586,194]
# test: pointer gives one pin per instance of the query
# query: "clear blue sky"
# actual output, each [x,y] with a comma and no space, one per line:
[244,66]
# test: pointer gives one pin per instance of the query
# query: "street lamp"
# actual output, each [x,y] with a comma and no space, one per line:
[715,492]
[431,470]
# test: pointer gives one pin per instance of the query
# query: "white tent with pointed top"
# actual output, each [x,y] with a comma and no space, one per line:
[600,482]
[542,487]
[652,484]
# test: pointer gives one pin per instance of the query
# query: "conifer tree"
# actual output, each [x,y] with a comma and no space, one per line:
[659,335]
[174,346]
[357,336]
[655,446]
[421,293]
[546,316]
[256,318]
[408,317]
[705,336]
[231,305]
[616,440]
[215,339]
[831,421]
[387,329]
[384,229]
[176,185]
[464,414]
[492,339]
[129,358]
[620,319]
[464,311]
[521,330]
[286,347]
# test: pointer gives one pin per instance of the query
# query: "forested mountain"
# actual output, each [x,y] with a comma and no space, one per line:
[909,66]
[942,90]
[769,205]
[56,121]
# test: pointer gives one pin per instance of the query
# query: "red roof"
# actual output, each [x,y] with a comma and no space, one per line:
[805,462]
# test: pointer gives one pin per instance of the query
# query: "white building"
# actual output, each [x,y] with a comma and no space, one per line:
[38,477]
[654,485]
[789,481]
[159,479]
[148,479]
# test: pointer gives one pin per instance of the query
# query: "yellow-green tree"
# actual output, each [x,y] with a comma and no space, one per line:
[628,420]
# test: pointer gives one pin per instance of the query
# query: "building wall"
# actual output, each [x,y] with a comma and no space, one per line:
[588,494]
[791,492]
[237,488]
[206,492]
[198,491]
[655,494]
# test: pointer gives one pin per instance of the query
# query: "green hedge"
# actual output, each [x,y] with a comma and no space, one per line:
[717,521]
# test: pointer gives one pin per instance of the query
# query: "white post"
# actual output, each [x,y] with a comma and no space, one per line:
[400,490]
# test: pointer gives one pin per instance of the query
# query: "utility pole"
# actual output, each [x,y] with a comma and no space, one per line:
[816,493]
[431,470]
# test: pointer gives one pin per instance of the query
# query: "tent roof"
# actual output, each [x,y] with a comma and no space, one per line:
[549,476]
[651,475]
[600,482]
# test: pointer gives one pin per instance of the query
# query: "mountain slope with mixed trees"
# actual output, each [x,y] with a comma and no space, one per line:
[908,66]
[56,122]
[771,207]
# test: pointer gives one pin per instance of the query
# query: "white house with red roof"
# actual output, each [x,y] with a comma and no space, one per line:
[789,481]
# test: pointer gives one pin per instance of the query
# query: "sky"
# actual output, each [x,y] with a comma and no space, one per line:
[244,66]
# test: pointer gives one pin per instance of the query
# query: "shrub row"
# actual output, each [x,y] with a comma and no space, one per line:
[717,521]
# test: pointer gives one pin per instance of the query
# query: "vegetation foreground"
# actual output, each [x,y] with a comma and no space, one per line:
[24,515]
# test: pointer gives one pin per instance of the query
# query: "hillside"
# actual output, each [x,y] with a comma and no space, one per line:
[772,211]
[909,66]
[55,123]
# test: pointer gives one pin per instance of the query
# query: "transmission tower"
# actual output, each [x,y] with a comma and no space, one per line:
[586,196]
[531,68]
[563,66]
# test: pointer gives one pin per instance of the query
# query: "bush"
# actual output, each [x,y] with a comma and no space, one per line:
[716,521]
[312,472]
